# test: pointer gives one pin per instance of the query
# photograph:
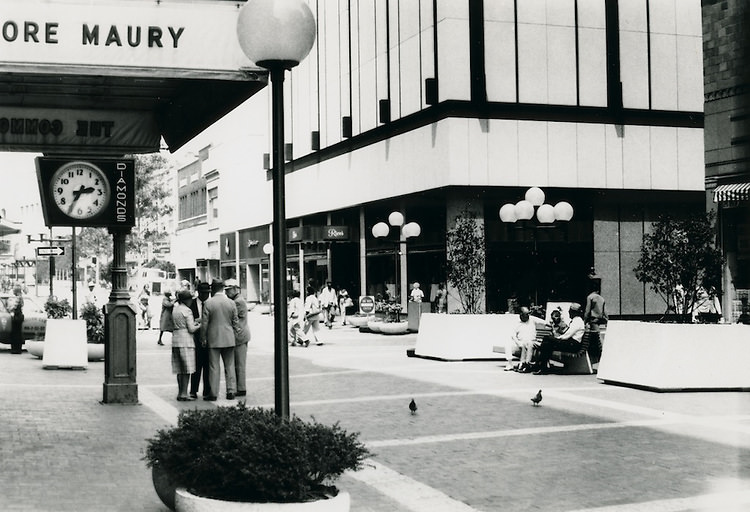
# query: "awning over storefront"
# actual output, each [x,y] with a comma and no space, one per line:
[732,192]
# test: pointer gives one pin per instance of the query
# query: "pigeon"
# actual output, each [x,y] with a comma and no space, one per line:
[413,406]
[537,398]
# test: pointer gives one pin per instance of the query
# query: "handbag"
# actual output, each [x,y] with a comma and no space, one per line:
[312,313]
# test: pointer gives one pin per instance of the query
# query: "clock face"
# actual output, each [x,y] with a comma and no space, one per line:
[80,190]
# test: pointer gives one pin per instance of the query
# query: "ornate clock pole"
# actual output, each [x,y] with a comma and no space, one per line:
[100,193]
[119,331]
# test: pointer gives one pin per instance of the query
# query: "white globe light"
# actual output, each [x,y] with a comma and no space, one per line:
[396,219]
[524,210]
[546,214]
[380,230]
[276,31]
[535,196]
[411,229]
[563,211]
[508,213]
[268,248]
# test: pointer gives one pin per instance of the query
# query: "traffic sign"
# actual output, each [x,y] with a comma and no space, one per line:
[54,250]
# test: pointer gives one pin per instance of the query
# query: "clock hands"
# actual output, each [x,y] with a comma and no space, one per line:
[77,195]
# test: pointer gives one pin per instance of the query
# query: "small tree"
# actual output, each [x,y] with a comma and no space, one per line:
[678,257]
[466,257]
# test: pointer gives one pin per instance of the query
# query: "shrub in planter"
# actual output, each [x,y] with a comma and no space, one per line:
[253,455]
[94,322]
[57,308]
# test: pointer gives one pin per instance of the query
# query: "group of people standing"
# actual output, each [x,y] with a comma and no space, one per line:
[534,355]
[209,328]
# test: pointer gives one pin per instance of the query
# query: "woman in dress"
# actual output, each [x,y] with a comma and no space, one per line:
[183,345]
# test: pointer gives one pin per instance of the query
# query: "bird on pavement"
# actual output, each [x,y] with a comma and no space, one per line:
[537,398]
[413,406]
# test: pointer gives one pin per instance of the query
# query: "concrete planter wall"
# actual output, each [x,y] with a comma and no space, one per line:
[459,337]
[95,351]
[676,357]
[186,502]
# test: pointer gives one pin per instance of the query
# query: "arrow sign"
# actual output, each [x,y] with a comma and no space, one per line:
[50,251]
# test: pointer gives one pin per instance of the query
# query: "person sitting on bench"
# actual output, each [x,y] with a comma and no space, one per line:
[569,341]
[522,339]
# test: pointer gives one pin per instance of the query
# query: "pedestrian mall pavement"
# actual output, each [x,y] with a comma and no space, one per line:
[476,442]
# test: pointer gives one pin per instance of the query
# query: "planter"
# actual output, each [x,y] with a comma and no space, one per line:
[95,351]
[187,502]
[35,348]
[374,324]
[357,321]
[676,357]
[164,486]
[394,327]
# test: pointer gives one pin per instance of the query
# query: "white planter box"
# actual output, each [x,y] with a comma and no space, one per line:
[459,337]
[676,357]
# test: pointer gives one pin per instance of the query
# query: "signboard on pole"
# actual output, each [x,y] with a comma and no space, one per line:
[367,304]
[54,250]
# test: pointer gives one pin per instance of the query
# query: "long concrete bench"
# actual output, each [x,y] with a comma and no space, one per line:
[573,362]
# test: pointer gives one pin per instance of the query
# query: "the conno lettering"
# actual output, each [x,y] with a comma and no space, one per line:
[23,126]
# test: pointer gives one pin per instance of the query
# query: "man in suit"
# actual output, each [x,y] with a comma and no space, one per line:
[201,351]
[241,335]
[218,326]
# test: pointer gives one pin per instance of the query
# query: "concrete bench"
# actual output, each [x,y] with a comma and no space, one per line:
[573,362]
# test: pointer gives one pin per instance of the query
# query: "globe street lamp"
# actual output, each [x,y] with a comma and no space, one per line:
[408,230]
[277,35]
[533,202]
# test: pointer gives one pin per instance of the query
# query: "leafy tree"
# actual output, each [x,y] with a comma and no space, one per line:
[466,261]
[151,205]
[678,257]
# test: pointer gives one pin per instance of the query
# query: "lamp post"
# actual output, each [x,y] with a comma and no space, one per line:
[545,213]
[277,35]
[408,230]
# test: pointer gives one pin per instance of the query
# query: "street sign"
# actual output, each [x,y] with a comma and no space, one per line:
[55,250]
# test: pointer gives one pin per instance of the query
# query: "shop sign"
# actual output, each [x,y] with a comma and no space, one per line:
[135,35]
[331,233]
[36,129]
[367,304]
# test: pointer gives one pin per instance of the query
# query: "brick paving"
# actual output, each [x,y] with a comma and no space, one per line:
[476,441]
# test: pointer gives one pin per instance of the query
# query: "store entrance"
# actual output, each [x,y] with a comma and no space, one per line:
[520,276]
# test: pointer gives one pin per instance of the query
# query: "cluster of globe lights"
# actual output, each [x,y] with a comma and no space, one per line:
[545,213]
[396,219]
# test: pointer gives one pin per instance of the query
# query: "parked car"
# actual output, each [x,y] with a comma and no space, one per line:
[34,318]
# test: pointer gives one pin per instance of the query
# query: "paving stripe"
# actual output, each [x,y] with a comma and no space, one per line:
[469,436]
[409,493]
[161,407]
[724,502]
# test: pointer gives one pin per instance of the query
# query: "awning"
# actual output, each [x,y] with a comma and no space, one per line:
[732,192]
[8,228]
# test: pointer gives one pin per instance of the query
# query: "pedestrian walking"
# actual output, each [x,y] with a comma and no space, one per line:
[218,326]
[143,303]
[328,299]
[241,335]
[183,346]
[312,315]
[165,318]
[201,350]
[296,320]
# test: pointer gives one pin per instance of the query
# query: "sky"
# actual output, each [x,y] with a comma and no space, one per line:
[18,184]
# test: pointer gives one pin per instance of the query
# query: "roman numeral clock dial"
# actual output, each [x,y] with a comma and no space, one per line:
[80,190]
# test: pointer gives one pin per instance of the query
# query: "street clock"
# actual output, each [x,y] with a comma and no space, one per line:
[95,193]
